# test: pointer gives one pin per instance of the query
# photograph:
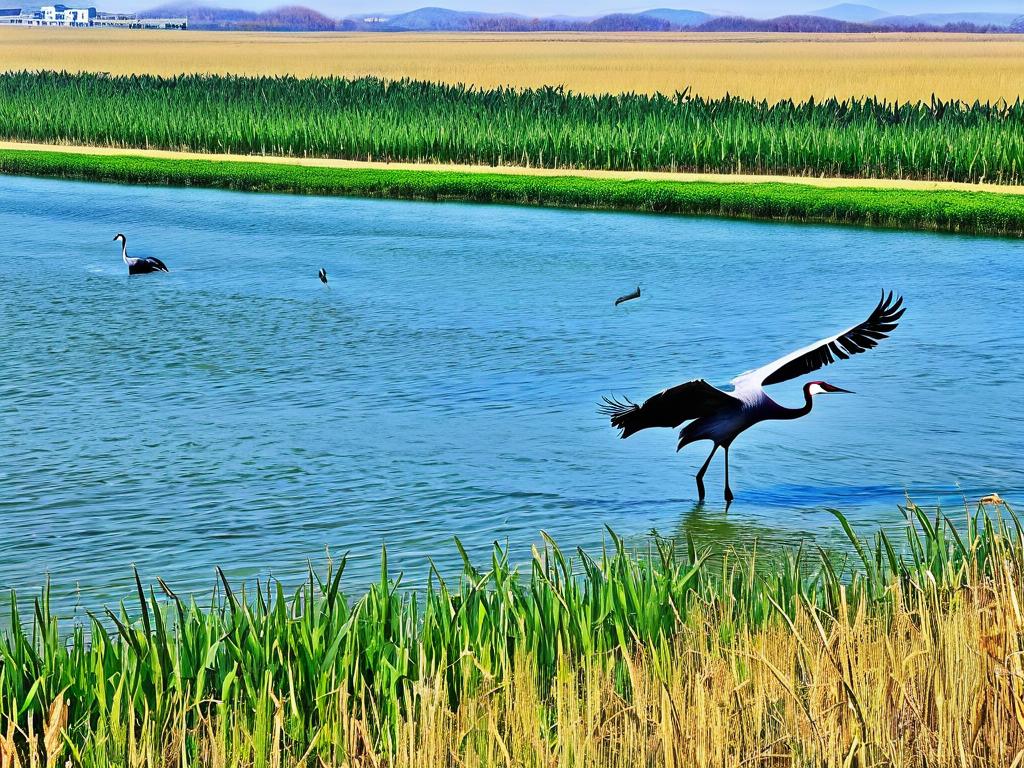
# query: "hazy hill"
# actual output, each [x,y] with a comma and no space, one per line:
[682,18]
[781,24]
[291,18]
[850,12]
[201,16]
[437,19]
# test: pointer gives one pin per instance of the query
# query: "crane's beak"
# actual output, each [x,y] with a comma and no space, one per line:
[842,391]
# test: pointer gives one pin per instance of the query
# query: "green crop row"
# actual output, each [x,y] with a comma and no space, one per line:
[372,119]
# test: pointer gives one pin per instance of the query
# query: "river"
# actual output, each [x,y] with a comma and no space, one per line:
[236,412]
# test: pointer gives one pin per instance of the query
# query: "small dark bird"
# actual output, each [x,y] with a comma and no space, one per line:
[139,266]
[322,274]
[721,416]
[628,297]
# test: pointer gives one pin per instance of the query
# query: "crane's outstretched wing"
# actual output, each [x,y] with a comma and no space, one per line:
[669,408]
[852,341]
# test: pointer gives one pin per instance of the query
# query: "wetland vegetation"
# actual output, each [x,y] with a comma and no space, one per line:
[903,654]
[414,121]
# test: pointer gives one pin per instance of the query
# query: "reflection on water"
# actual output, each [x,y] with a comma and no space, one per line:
[237,412]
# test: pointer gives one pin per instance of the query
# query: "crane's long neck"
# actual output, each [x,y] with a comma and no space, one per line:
[124,250]
[796,413]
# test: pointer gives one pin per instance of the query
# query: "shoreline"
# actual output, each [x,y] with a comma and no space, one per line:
[824,182]
[926,206]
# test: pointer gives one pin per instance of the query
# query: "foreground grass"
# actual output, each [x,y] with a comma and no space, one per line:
[951,211]
[910,656]
[416,121]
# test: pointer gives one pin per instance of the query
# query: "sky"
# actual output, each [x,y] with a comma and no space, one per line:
[755,8]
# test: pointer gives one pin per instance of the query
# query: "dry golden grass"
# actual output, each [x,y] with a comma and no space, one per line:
[893,66]
[914,661]
[931,685]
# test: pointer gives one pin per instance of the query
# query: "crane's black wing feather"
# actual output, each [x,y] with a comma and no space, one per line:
[669,408]
[861,337]
[155,264]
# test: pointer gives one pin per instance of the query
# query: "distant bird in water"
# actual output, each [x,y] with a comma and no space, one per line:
[628,297]
[322,274]
[139,266]
[721,416]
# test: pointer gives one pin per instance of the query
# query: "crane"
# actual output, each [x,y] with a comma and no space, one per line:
[141,266]
[720,416]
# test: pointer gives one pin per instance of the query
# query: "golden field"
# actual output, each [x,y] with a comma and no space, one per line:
[772,66]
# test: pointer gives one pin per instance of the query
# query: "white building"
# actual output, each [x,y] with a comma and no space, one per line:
[48,16]
[63,16]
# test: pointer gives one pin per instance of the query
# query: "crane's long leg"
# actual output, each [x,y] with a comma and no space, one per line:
[728,490]
[700,475]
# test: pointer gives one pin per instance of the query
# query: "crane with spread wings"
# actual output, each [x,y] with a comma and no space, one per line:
[720,416]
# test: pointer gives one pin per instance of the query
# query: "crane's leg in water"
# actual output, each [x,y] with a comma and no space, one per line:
[728,490]
[700,475]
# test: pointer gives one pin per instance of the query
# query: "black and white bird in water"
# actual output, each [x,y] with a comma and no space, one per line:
[322,274]
[720,416]
[628,297]
[139,266]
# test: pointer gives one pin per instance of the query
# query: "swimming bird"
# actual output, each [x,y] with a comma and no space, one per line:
[720,416]
[139,266]
[322,274]
[628,296]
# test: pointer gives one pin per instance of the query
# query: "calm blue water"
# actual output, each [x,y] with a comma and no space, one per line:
[236,412]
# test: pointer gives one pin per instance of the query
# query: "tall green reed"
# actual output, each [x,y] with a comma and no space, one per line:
[297,665]
[373,119]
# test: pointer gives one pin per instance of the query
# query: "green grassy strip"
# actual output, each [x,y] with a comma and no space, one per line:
[983,213]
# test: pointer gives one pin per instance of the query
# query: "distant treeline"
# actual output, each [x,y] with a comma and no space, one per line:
[300,18]
[415,121]
[640,23]
[619,22]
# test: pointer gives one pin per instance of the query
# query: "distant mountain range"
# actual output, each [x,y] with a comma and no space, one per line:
[846,17]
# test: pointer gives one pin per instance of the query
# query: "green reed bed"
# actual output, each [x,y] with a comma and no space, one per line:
[968,212]
[371,119]
[319,676]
